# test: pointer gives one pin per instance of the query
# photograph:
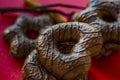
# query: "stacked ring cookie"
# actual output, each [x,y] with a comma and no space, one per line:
[64,52]
[104,15]
[16,35]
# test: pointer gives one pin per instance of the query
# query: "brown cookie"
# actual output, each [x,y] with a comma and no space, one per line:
[104,15]
[16,35]
[65,49]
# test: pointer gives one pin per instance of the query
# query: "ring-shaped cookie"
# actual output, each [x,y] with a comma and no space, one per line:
[16,35]
[64,49]
[104,16]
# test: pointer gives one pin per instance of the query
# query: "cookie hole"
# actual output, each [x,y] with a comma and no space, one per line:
[68,40]
[108,15]
[32,34]
[66,47]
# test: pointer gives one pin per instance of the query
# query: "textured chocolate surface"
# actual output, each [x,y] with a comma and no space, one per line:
[104,15]
[16,35]
[72,62]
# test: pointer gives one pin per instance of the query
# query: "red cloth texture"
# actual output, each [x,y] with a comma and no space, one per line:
[10,69]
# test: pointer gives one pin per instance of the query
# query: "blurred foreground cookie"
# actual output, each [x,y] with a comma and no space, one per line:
[17,35]
[63,52]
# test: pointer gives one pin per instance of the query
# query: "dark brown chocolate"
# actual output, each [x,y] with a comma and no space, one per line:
[104,15]
[16,35]
[63,51]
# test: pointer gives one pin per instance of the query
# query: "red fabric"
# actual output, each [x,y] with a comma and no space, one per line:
[10,69]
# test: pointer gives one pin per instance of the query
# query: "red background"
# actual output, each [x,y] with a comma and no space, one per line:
[10,69]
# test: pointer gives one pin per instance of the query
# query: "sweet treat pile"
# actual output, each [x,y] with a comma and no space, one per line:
[62,54]
[63,51]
